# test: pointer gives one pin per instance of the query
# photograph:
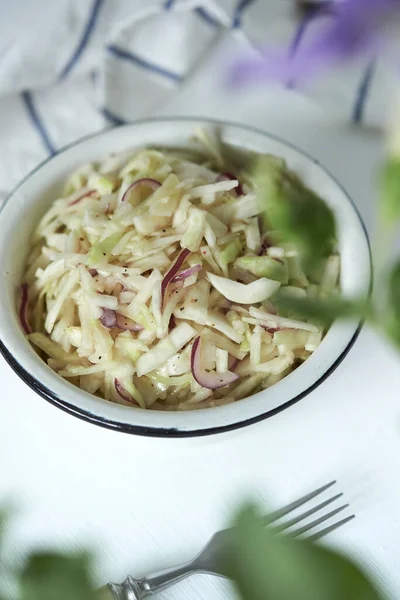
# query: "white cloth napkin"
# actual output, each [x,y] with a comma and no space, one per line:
[72,67]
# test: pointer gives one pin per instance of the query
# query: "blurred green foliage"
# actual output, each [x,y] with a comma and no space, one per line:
[52,576]
[389,191]
[294,210]
[267,566]
[303,218]
[263,564]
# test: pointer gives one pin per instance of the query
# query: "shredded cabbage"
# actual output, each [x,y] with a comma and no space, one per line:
[101,315]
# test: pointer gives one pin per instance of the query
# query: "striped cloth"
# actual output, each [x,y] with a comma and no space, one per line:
[72,67]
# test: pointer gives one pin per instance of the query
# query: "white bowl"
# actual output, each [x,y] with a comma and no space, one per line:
[23,208]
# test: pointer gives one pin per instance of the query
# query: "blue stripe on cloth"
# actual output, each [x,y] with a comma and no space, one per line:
[206,17]
[298,36]
[362,93]
[295,44]
[112,118]
[37,121]
[168,4]
[83,42]
[237,17]
[141,62]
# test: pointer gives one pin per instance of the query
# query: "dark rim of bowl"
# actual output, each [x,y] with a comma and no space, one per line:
[165,432]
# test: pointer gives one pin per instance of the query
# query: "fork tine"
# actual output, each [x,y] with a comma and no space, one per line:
[320,534]
[318,521]
[306,514]
[293,505]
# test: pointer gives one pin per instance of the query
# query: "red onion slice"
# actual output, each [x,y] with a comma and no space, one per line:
[121,391]
[85,195]
[186,273]
[264,247]
[211,381]
[233,363]
[23,310]
[231,177]
[172,323]
[93,272]
[127,324]
[168,277]
[271,330]
[146,181]
[109,318]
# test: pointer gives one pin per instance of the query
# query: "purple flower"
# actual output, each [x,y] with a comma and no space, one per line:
[355,27]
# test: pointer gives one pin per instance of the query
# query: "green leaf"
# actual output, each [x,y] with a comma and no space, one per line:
[390,190]
[323,311]
[392,327]
[267,566]
[54,576]
[293,209]
[392,315]
[394,287]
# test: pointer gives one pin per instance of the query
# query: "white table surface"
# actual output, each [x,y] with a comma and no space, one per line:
[149,503]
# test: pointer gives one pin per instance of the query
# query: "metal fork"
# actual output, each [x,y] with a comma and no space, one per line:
[208,560]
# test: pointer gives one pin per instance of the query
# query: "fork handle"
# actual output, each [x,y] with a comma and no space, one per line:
[136,589]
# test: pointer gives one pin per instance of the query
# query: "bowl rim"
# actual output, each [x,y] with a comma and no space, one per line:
[173,432]
[163,432]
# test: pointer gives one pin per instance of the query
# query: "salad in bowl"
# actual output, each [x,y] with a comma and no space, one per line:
[151,282]
[143,277]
